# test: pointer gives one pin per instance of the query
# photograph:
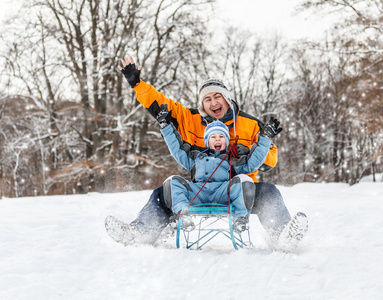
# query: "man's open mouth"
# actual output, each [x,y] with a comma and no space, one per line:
[217,110]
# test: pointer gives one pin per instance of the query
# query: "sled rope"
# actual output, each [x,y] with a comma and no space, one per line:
[230,158]
[233,148]
[228,201]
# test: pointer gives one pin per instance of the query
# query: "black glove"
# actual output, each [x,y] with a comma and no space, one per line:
[270,130]
[132,74]
[163,118]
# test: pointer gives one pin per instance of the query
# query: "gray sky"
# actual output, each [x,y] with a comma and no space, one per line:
[256,15]
[7,6]
[273,16]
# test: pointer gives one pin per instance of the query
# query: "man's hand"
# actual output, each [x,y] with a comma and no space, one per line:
[131,73]
[270,130]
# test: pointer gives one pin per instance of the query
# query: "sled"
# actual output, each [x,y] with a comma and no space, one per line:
[214,221]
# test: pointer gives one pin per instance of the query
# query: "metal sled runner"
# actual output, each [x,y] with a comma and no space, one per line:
[214,221]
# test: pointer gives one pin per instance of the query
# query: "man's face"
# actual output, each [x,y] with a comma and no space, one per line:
[215,105]
[217,142]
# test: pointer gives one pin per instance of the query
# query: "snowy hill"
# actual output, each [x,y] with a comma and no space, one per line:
[56,248]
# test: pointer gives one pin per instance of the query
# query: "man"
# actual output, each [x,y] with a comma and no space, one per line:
[215,103]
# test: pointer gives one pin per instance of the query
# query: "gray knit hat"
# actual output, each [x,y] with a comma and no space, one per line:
[209,86]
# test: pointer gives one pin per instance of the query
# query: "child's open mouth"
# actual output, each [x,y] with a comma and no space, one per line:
[218,147]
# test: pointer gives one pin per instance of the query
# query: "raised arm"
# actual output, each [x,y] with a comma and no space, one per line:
[179,150]
[259,151]
[148,96]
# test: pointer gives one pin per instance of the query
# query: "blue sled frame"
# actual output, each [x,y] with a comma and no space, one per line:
[211,215]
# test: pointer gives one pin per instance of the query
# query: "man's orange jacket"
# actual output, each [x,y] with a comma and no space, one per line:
[191,125]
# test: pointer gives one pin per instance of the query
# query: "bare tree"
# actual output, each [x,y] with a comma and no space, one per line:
[358,34]
[70,50]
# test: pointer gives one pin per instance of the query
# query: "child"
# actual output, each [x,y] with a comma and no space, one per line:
[203,163]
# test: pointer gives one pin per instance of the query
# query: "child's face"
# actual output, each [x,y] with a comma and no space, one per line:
[217,142]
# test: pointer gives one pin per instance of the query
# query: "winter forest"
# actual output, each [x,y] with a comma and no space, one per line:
[69,122]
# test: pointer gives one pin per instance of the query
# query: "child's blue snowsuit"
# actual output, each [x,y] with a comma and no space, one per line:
[203,163]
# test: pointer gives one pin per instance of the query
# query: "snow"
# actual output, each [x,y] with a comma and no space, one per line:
[56,248]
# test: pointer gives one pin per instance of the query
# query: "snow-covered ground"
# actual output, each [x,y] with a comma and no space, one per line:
[56,248]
